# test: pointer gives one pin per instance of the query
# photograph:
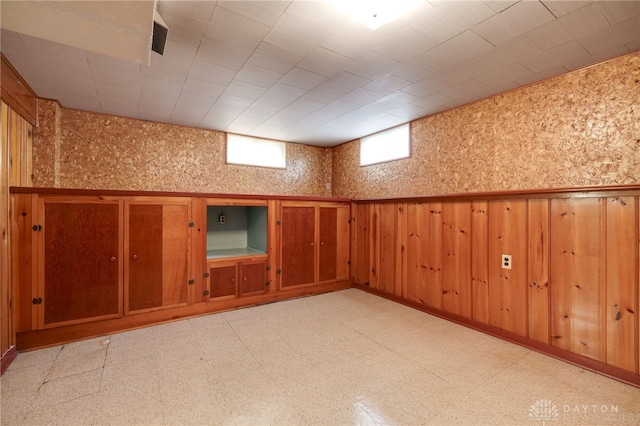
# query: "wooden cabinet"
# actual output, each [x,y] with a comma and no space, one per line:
[237,278]
[100,258]
[79,277]
[157,253]
[314,243]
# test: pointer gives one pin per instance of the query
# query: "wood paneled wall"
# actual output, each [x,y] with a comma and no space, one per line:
[15,167]
[573,284]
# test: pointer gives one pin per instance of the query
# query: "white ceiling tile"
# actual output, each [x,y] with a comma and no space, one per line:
[414,72]
[426,87]
[324,94]
[346,81]
[38,47]
[398,99]
[562,7]
[608,38]
[232,101]
[465,71]
[632,45]
[325,62]
[205,88]
[410,110]
[244,90]
[236,30]
[188,115]
[201,10]
[542,75]
[341,106]
[584,61]
[294,33]
[461,47]
[258,76]
[500,5]
[12,45]
[275,58]
[303,79]
[198,101]
[211,73]
[571,26]
[353,41]
[267,12]
[82,102]
[372,65]
[497,57]
[361,96]
[432,102]
[184,28]
[509,73]
[619,11]
[454,17]
[386,84]
[221,54]
[168,87]
[467,91]
[219,117]
[513,21]
[156,100]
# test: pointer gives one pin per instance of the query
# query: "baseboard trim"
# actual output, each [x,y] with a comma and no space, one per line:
[7,359]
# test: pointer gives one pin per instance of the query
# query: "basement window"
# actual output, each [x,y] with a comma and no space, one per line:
[250,151]
[388,145]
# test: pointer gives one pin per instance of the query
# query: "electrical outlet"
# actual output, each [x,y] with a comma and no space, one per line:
[222,219]
[506,261]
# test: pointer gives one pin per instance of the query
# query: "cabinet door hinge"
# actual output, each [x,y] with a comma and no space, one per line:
[278,271]
[205,275]
[206,292]
[192,281]
[279,222]
[267,284]
[348,262]
[36,300]
[192,224]
[36,228]
[268,268]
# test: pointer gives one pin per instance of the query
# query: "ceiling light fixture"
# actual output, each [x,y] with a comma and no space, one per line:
[375,13]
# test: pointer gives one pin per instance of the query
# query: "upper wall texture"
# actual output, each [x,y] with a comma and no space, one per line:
[578,129]
[77,149]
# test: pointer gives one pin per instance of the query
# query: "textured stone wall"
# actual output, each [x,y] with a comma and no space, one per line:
[78,149]
[578,129]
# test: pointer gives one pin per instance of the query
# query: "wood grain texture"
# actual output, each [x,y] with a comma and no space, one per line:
[175,254]
[577,129]
[387,246]
[417,251]
[622,283]
[479,261]
[328,244]
[223,280]
[456,258]
[435,256]
[81,269]
[17,94]
[507,287]
[577,277]
[362,264]
[253,277]
[297,245]
[538,269]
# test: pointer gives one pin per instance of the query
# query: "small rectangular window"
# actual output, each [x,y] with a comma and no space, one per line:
[250,151]
[388,145]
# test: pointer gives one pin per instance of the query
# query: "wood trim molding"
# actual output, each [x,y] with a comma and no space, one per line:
[575,359]
[122,193]
[570,192]
[7,359]
[17,94]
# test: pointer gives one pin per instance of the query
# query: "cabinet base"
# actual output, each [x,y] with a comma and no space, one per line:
[37,339]
[7,359]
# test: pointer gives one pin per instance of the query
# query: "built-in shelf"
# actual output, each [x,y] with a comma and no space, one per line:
[236,231]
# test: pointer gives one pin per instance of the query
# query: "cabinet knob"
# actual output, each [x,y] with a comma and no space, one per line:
[134,257]
[321,243]
[233,280]
[312,244]
[112,259]
[244,278]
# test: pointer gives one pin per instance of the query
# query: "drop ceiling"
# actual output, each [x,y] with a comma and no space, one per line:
[303,71]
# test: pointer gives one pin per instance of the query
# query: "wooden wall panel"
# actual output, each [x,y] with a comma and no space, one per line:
[6,334]
[479,261]
[507,287]
[435,256]
[361,262]
[577,276]
[388,235]
[538,269]
[417,249]
[456,258]
[622,283]
[175,269]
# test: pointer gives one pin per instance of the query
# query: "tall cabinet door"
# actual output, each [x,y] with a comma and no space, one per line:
[157,254]
[333,249]
[297,240]
[79,278]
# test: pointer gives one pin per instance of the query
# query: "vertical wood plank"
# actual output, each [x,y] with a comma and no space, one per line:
[343,254]
[362,260]
[538,269]
[6,336]
[479,266]
[456,265]
[577,303]
[15,130]
[22,262]
[434,256]
[175,253]
[417,252]
[328,243]
[622,283]
[400,287]
[507,287]
[298,245]
[388,217]
[374,246]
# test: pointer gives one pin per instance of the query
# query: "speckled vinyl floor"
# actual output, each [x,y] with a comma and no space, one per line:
[341,358]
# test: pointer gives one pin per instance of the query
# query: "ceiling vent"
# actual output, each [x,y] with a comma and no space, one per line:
[160,31]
